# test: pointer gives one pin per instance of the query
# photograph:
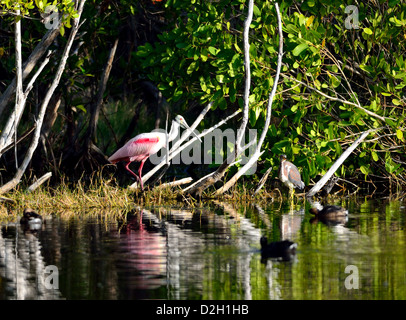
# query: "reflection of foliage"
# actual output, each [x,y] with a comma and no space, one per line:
[360,73]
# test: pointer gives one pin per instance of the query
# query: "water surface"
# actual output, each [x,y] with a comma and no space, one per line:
[209,253]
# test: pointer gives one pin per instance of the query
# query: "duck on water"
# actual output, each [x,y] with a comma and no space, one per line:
[279,249]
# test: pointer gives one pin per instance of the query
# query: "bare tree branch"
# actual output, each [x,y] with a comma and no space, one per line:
[210,179]
[372,114]
[40,181]
[10,131]
[102,87]
[247,68]
[20,171]
[336,165]
[254,158]
[31,62]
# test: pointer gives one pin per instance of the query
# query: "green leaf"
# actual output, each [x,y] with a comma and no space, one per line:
[299,48]
[374,156]
[257,12]
[220,78]
[390,122]
[399,134]
[81,107]
[364,170]
[396,102]
[368,31]
[213,50]
[193,66]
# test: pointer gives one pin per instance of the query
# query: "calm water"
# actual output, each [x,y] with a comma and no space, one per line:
[209,253]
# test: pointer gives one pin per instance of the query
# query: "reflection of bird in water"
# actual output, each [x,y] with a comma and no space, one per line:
[329,212]
[31,220]
[329,215]
[280,249]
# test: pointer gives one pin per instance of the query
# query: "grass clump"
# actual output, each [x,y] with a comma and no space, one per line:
[102,195]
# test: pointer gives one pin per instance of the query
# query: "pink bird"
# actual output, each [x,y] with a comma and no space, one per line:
[143,145]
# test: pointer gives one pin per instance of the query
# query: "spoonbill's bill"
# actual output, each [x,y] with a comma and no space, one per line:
[143,145]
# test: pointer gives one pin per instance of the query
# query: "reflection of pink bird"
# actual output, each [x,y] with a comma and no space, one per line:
[146,144]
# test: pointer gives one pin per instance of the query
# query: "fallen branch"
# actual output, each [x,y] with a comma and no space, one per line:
[316,188]
[203,183]
[175,183]
[40,181]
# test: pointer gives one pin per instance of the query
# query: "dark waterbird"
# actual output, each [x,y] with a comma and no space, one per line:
[280,249]
[329,212]
[30,219]
[330,215]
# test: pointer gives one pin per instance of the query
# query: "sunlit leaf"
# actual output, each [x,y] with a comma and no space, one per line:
[299,48]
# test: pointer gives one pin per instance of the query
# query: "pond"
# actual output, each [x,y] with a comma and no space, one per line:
[208,253]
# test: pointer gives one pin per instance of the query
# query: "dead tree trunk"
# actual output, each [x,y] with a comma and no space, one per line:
[216,176]
[31,62]
[219,173]
[21,169]
[94,117]
[336,165]
[258,152]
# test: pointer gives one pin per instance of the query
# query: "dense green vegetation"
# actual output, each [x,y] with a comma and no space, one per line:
[337,81]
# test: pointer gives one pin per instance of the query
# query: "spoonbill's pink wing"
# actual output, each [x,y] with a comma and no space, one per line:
[139,148]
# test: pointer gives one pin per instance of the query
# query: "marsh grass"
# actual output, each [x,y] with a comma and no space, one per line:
[98,195]
[103,196]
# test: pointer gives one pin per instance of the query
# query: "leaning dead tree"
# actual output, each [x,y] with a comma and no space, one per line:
[31,62]
[316,188]
[212,178]
[9,134]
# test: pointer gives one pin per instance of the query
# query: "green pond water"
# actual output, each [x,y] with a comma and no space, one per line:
[209,253]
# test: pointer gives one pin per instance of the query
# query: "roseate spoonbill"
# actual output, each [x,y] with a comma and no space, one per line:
[284,249]
[329,212]
[143,145]
[290,175]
